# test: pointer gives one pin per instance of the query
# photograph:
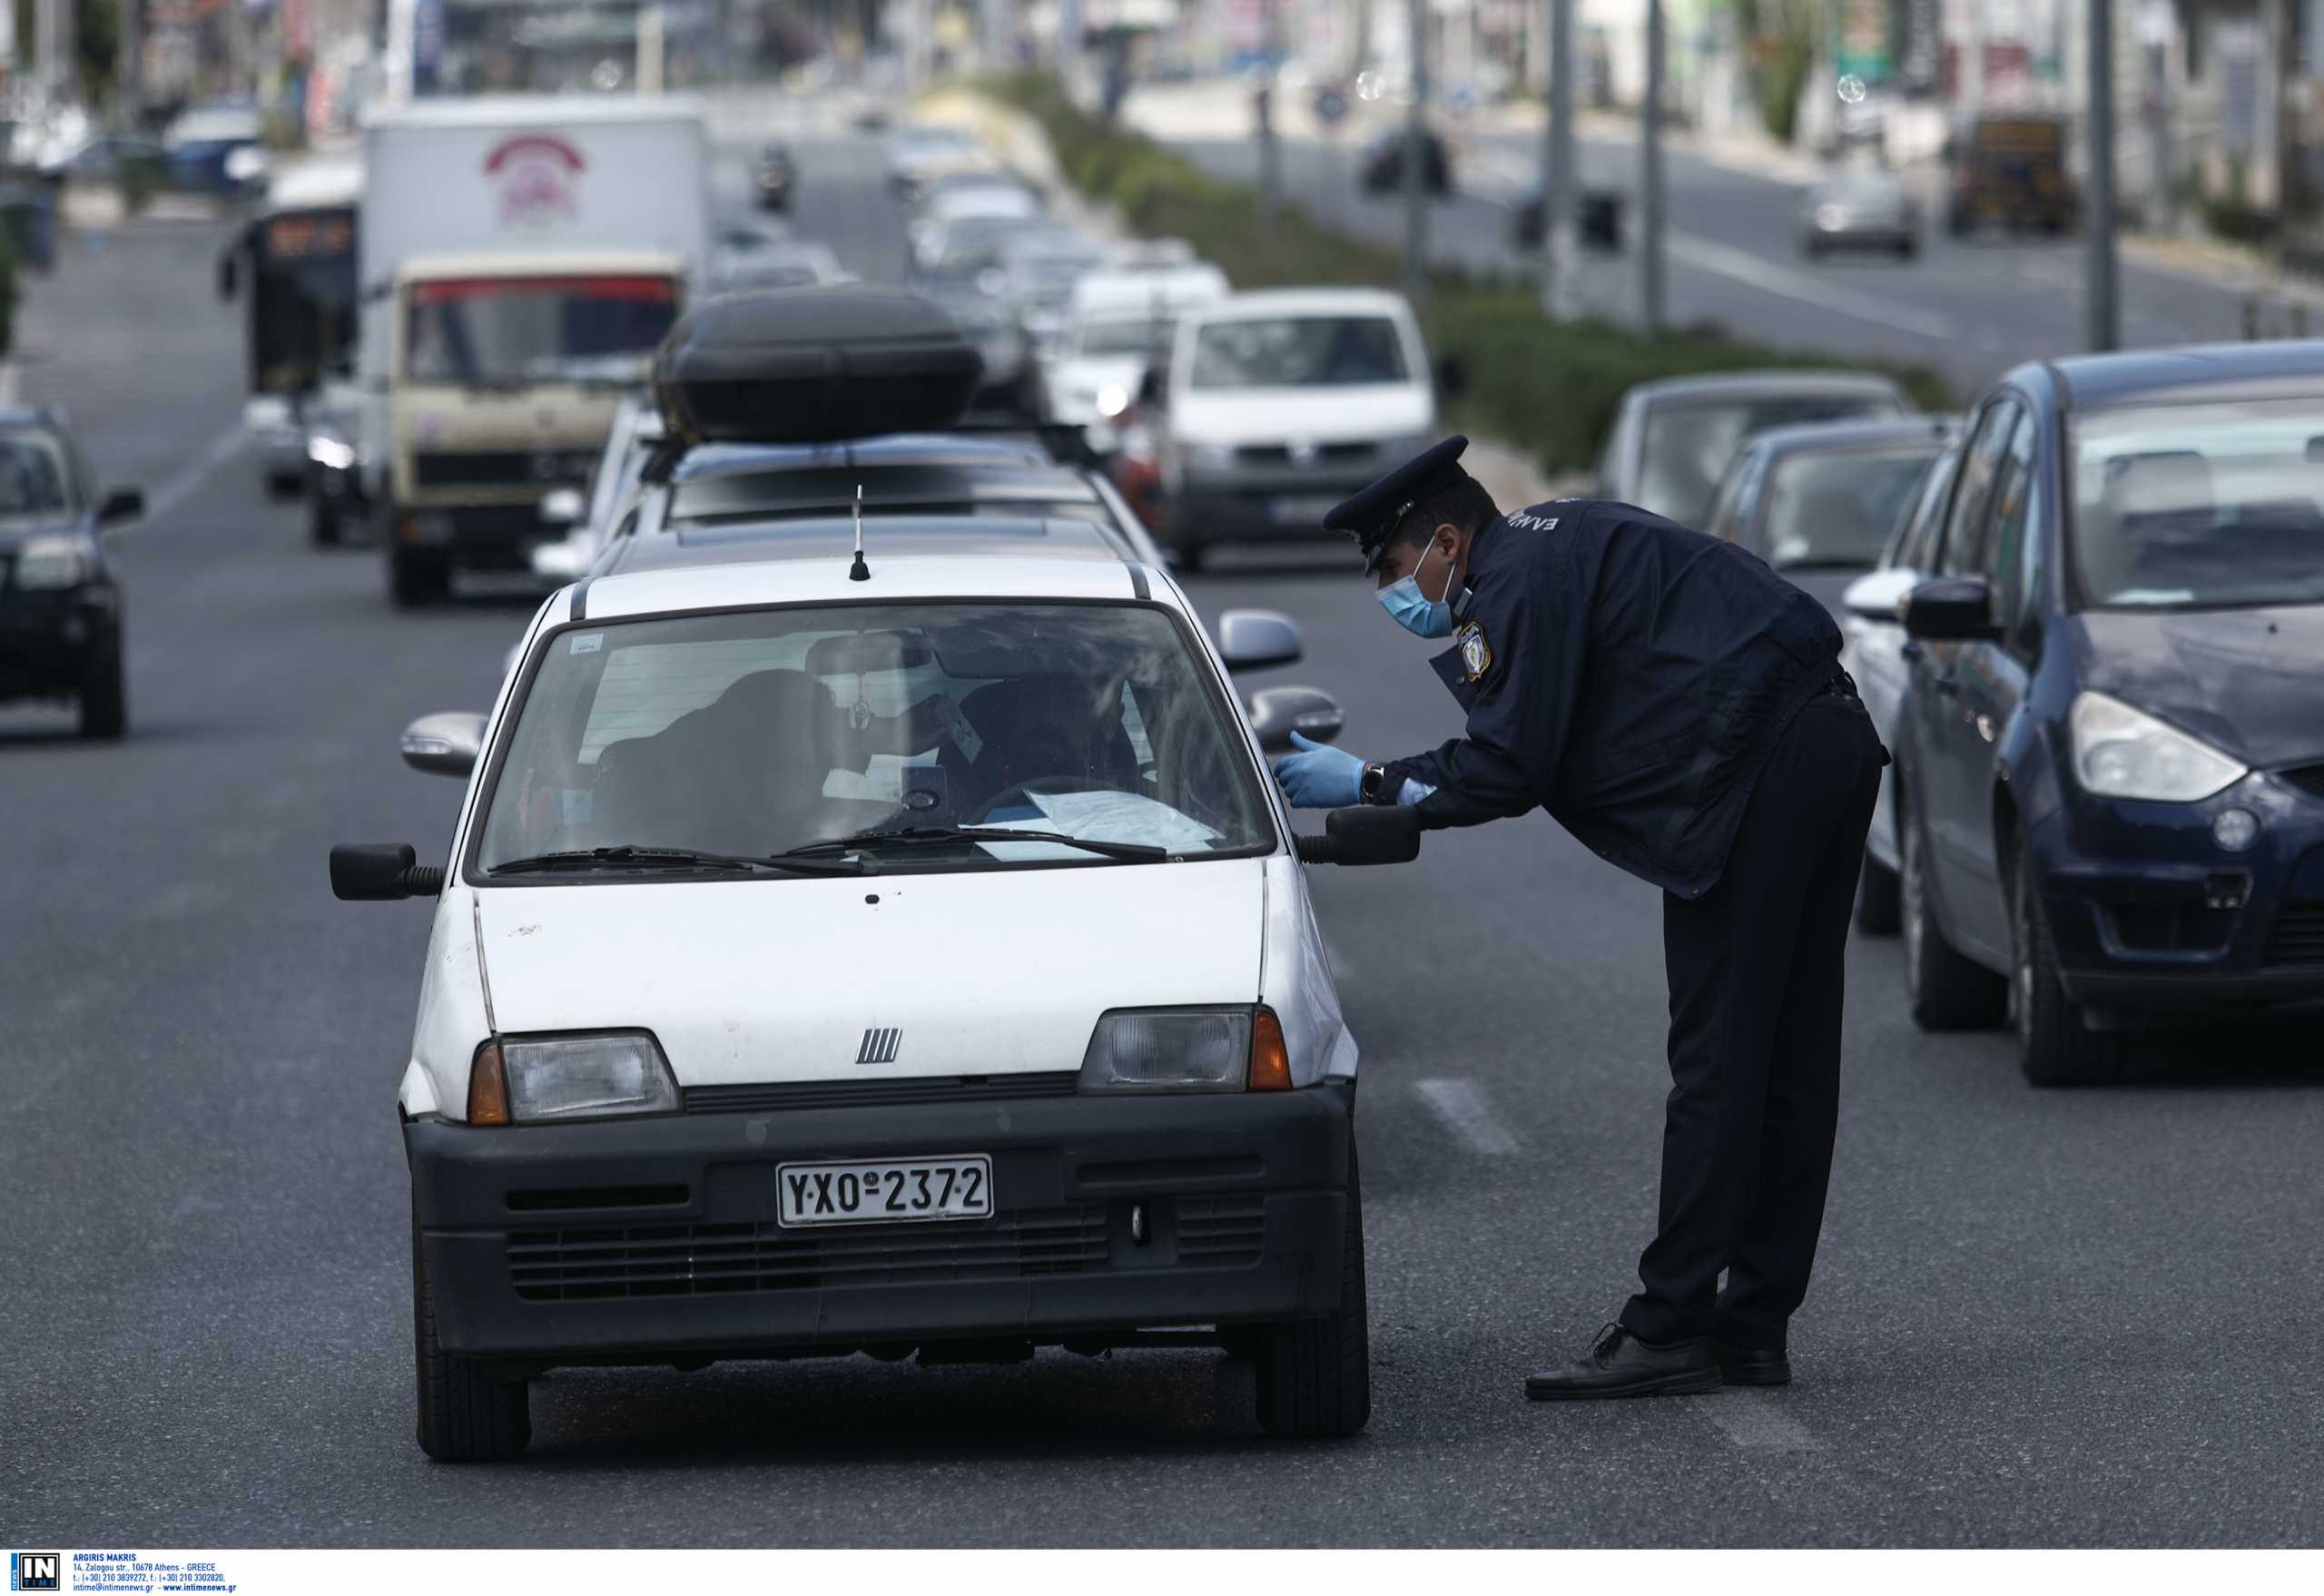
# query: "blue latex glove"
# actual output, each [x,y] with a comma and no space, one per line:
[1320,777]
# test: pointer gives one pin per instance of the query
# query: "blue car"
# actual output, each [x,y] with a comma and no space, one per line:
[2110,781]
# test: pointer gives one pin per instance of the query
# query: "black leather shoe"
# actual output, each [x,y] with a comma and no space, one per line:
[1750,1366]
[1619,1364]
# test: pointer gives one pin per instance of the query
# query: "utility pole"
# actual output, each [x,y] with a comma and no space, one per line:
[1415,187]
[1651,176]
[1263,109]
[2100,306]
[1557,168]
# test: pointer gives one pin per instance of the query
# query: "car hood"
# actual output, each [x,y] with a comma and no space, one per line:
[1319,415]
[986,972]
[2244,679]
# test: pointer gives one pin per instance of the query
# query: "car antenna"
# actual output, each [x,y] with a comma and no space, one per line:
[859,571]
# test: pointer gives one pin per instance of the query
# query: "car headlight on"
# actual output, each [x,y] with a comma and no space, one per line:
[1186,1050]
[50,563]
[524,1080]
[1110,400]
[2121,753]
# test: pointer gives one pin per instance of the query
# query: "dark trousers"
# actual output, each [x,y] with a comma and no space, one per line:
[1756,969]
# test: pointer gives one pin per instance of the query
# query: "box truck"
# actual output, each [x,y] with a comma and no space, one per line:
[520,261]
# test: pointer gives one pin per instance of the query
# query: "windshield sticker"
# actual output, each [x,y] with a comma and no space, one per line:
[588,643]
[956,721]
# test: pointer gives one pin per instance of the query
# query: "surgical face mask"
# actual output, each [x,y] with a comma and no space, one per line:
[1415,612]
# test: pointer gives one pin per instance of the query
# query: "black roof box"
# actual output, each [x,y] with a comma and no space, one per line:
[813,365]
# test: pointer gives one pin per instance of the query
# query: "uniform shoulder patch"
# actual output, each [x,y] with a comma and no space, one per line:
[1476,653]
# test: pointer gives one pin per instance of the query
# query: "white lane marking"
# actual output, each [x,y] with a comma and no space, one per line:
[188,479]
[1755,1421]
[1462,1107]
[1743,267]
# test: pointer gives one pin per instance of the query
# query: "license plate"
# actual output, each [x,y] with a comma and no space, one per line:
[1300,512]
[885,1190]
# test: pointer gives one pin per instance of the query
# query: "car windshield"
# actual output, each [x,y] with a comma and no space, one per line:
[1689,442]
[1132,335]
[1298,352]
[1833,511]
[33,483]
[2195,507]
[512,331]
[756,731]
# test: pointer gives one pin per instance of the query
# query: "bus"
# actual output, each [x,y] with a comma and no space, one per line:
[294,268]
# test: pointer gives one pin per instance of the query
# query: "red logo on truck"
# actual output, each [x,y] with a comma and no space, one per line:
[535,174]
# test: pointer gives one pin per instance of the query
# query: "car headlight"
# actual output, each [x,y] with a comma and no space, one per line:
[1831,217]
[2121,753]
[1109,401]
[1185,1051]
[1210,457]
[50,563]
[525,1080]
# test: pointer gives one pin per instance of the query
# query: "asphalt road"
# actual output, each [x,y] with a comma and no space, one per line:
[2066,1319]
[1970,308]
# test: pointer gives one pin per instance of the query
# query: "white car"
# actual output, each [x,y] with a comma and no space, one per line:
[880,955]
[588,514]
[1275,406]
[1118,322]
[1872,652]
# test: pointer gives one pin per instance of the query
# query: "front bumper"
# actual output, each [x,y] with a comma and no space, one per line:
[1259,505]
[480,537]
[647,1240]
[2150,916]
[48,638]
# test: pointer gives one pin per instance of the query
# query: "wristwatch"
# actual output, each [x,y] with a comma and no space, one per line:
[1373,785]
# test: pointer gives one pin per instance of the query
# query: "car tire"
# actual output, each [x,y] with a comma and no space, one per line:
[1906,249]
[416,576]
[325,525]
[465,1415]
[1879,899]
[1188,557]
[1313,1376]
[2055,1046]
[1945,990]
[104,696]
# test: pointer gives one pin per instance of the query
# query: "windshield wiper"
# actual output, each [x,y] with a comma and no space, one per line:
[626,853]
[1129,852]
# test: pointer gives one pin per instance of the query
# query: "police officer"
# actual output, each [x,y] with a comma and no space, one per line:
[1680,708]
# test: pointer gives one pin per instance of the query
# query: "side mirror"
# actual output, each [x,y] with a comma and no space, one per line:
[1257,639]
[1877,595]
[1950,609]
[1370,835]
[1451,377]
[123,504]
[444,745]
[562,506]
[381,872]
[1277,711]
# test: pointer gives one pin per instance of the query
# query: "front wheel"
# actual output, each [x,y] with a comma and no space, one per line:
[324,527]
[1314,1376]
[2055,1046]
[1945,990]
[465,1415]
[416,576]
[104,697]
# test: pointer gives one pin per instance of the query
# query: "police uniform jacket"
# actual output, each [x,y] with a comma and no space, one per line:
[1626,673]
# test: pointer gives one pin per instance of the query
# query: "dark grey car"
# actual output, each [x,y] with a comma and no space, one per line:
[60,611]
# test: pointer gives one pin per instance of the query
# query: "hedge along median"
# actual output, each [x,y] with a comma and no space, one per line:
[1548,386]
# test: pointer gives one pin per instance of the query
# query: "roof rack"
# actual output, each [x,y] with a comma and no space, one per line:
[811,365]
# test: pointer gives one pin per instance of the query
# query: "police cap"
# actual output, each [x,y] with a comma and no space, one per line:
[1372,514]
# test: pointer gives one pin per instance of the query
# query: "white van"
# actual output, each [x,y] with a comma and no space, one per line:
[1118,323]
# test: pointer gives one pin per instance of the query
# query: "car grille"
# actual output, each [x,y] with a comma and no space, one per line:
[1328,454]
[2309,778]
[2298,935]
[776,1096]
[542,469]
[1221,1233]
[696,1260]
